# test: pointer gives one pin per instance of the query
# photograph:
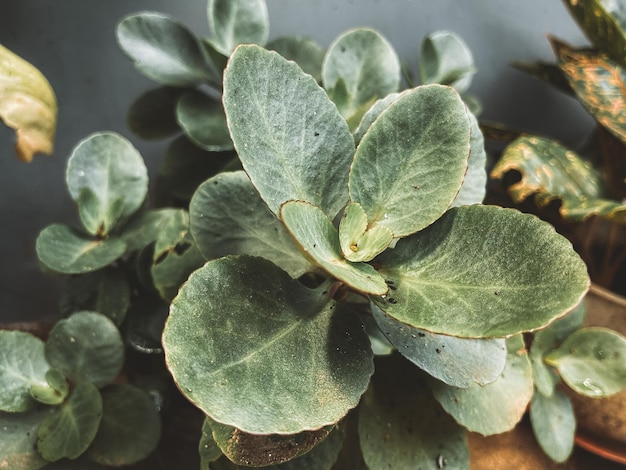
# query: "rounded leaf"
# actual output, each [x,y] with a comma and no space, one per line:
[291,140]
[18,439]
[111,172]
[162,49]
[447,60]
[305,52]
[204,122]
[235,22]
[54,391]
[86,347]
[554,424]
[153,114]
[407,183]
[358,241]
[235,319]
[483,271]
[22,365]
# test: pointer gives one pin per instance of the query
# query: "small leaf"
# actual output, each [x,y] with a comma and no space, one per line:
[291,140]
[592,361]
[459,362]
[86,346]
[550,171]
[162,49]
[114,173]
[66,250]
[153,114]
[235,319]
[490,409]
[27,104]
[204,122]
[71,427]
[402,427]
[130,427]
[358,241]
[235,22]
[18,439]
[208,448]
[548,72]
[22,365]
[54,391]
[228,217]
[483,271]
[406,184]
[143,229]
[553,424]
[474,185]
[372,114]
[447,60]
[305,52]
[317,237]
[260,450]
[367,64]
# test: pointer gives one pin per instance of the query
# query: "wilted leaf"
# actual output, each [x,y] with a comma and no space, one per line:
[235,22]
[554,424]
[27,104]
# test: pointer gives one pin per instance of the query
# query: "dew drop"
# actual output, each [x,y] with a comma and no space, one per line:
[72,339]
[592,387]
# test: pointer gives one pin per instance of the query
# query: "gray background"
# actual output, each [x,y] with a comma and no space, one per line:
[73,43]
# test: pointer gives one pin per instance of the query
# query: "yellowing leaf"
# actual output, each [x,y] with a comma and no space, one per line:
[27,104]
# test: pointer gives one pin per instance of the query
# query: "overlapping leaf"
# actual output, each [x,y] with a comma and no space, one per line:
[305,52]
[203,120]
[554,424]
[153,114]
[235,22]
[447,60]
[18,440]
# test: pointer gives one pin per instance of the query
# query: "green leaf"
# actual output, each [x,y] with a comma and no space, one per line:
[548,72]
[143,229]
[235,319]
[227,217]
[291,140]
[113,171]
[235,22]
[368,66]
[550,171]
[22,365]
[474,185]
[130,427]
[459,362]
[86,346]
[406,184]
[592,361]
[18,440]
[71,427]
[496,407]
[106,291]
[208,448]
[27,104]
[447,60]
[162,49]
[54,391]
[553,424]
[305,52]
[318,238]
[175,256]
[153,114]
[204,122]
[372,114]
[483,271]
[402,427]
[358,241]
[69,251]
[260,450]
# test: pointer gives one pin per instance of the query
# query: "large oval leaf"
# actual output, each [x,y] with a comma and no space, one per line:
[22,365]
[204,122]
[18,440]
[227,217]
[318,238]
[66,250]
[86,346]
[406,183]
[496,407]
[483,271]
[459,362]
[108,178]
[362,61]
[27,104]
[162,49]
[235,22]
[291,140]
[235,319]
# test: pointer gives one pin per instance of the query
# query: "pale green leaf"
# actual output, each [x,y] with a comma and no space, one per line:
[235,319]
[70,428]
[130,429]
[592,361]
[318,238]
[208,448]
[483,271]
[372,114]
[235,22]
[459,362]
[406,183]
[447,60]
[18,440]
[163,49]
[291,140]
[358,241]
[204,122]
[554,424]
[54,391]
[474,185]
[86,347]
[228,217]
[143,229]
[305,52]
[496,407]
[22,365]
